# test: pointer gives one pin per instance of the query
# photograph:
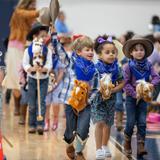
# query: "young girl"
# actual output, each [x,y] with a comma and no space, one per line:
[53,97]
[103,109]
[138,67]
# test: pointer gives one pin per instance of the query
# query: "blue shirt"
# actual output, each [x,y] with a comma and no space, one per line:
[61,27]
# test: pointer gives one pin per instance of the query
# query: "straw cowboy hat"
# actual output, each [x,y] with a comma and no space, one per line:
[49,15]
[148,45]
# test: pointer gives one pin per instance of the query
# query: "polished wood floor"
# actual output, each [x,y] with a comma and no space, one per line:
[51,146]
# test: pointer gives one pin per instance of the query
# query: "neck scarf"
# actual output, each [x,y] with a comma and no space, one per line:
[84,68]
[108,68]
[140,69]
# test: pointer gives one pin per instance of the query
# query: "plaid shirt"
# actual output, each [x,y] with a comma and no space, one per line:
[70,75]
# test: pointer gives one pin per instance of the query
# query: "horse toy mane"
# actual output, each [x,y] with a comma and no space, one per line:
[106,86]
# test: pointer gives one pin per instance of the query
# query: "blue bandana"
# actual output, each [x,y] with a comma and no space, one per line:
[140,69]
[108,68]
[84,68]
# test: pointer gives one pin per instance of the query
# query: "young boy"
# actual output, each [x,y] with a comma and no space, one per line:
[40,32]
[81,68]
[138,67]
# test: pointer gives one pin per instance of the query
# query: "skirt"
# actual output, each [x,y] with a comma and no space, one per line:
[103,110]
[13,60]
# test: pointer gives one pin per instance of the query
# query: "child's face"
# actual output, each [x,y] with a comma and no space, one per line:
[86,53]
[108,53]
[42,34]
[138,52]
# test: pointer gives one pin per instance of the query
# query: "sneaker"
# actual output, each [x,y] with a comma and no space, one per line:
[55,126]
[32,130]
[100,155]
[106,151]
[40,130]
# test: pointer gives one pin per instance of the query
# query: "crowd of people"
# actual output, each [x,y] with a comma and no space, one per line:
[88,88]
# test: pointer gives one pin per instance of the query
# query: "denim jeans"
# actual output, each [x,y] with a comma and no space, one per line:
[79,124]
[119,102]
[32,100]
[136,115]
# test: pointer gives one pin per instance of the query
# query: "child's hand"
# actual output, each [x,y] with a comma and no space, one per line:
[52,29]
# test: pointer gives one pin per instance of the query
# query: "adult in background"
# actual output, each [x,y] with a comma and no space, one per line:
[20,24]
[60,24]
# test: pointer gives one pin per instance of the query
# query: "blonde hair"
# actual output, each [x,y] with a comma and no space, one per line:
[82,42]
[23,4]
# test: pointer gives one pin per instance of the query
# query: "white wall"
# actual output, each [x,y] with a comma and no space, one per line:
[94,17]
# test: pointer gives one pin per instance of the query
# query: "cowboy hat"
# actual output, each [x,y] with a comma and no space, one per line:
[148,45]
[49,15]
[35,29]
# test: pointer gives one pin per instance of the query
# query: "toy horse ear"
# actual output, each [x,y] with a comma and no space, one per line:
[41,40]
[35,39]
[76,82]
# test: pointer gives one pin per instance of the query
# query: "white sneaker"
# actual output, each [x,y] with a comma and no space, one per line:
[106,151]
[100,154]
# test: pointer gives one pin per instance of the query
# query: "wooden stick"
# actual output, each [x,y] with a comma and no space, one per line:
[8,142]
[39,117]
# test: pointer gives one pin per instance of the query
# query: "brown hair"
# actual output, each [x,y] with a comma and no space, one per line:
[23,4]
[82,42]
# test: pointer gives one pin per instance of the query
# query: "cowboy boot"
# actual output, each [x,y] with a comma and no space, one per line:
[70,151]
[119,118]
[23,111]
[141,146]
[17,106]
[80,156]
[127,146]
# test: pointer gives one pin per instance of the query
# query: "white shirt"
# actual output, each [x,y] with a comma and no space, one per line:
[27,65]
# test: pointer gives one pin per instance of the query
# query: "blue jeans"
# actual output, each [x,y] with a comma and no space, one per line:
[136,114]
[119,102]
[32,100]
[79,124]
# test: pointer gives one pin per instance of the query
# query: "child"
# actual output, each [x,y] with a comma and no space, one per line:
[103,109]
[138,67]
[53,97]
[32,78]
[81,68]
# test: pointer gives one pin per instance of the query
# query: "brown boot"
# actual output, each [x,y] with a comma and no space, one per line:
[80,156]
[17,106]
[70,151]
[23,111]
[119,120]
[141,146]
[127,146]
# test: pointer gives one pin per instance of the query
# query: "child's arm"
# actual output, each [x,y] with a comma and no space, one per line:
[118,87]
[26,65]
[155,77]
[128,88]
[95,86]
[59,48]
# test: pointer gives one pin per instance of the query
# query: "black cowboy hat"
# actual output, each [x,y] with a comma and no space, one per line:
[35,29]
